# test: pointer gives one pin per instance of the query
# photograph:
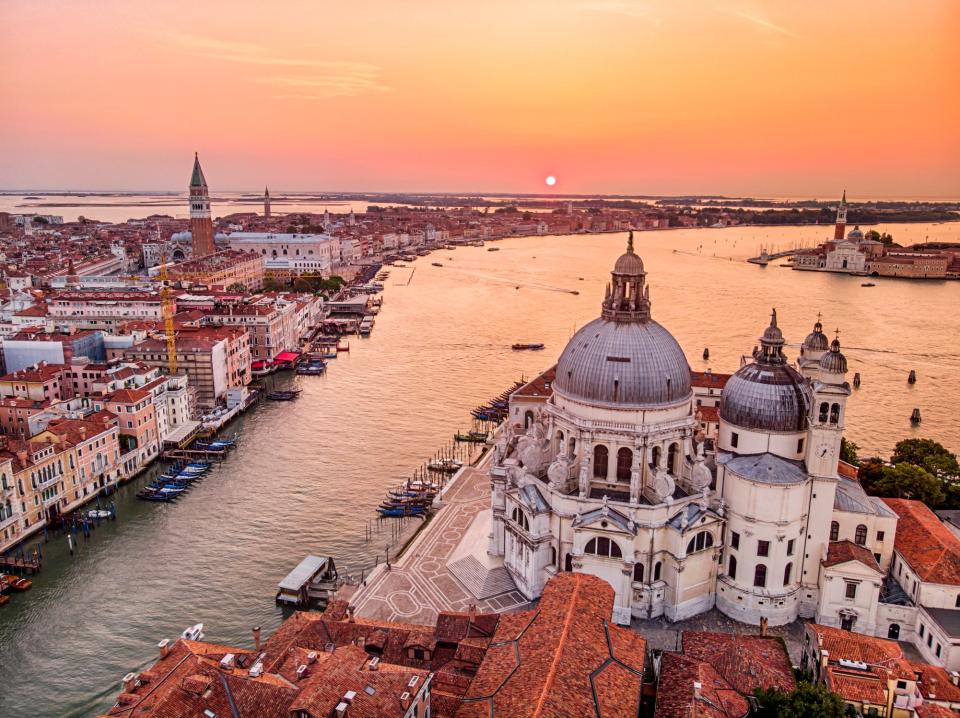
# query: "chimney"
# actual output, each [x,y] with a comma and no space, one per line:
[312,657]
[405,700]
[164,647]
[341,710]
[824,658]
[954,677]
[256,638]
[697,687]
[374,663]
[128,681]
[22,456]
[301,672]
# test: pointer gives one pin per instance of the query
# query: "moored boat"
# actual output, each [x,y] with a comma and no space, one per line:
[531,345]
[15,582]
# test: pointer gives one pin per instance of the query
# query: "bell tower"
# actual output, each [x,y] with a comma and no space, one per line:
[266,203]
[841,226]
[201,225]
[830,393]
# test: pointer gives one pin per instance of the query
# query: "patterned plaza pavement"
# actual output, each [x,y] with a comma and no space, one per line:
[419,585]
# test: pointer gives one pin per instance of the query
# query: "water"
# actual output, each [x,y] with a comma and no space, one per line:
[309,473]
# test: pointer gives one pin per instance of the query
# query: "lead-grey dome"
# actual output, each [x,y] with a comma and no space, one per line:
[637,364]
[624,358]
[816,340]
[834,361]
[767,394]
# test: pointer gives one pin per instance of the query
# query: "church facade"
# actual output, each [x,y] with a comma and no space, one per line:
[606,470]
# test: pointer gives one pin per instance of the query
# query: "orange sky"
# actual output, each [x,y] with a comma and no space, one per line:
[613,96]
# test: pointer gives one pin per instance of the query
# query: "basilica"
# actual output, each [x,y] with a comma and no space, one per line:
[604,467]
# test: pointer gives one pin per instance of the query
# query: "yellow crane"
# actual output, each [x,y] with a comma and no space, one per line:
[166,304]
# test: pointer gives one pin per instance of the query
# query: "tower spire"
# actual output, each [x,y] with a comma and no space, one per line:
[201,224]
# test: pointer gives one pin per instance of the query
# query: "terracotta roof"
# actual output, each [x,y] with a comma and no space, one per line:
[746,662]
[932,710]
[842,551]
[708,380]
[879,653]
[709,414]
[930,548]
[563,658]
[857,686]
[935,683]
[540,387]
[676,697]
[847,470]
[127,396]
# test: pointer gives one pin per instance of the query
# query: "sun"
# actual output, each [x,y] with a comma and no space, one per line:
[551,180]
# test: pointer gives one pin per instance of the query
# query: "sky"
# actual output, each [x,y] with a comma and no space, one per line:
[776,99]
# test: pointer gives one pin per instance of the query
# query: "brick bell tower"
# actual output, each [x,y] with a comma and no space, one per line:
[201,225]
[841,226]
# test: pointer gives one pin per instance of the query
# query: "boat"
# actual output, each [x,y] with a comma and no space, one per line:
[856,380]
[706,353]
[436,264]
[447,466]
[99,514]
[575,292]
[868,284]
[343,347]
[313,368]
[312,583]
[493,249]
[3,598]
[289,395]
[912,377]
[915,417]
[522,347]
[401,511]
[474,437]
[15,582]
[193,633]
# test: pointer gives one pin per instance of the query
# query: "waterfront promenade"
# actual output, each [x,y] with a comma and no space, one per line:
[420,584]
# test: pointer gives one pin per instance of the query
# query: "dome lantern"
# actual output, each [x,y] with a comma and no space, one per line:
[627,299]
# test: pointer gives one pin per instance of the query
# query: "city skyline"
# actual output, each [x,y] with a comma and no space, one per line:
[609,96]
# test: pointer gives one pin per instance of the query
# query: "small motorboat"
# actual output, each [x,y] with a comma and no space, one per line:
[493,249]
[523,347]
[447,466]
[193,633]
[16,583]
[99,514]
[868,284]
[283,395]
[436,264]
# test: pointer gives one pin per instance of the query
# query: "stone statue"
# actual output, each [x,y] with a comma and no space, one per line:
[634,486]
[663,484]
[584,477]
[700,476]
[559,472]
[605,508]
[684,519]
[722,507]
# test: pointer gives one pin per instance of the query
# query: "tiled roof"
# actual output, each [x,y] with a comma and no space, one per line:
[708,379]
[676,697]
[541,386]
[935,683]
[746,662]
[879,653]
[932,710]
[930,548]
[857,686]
[843,551]
[563,658]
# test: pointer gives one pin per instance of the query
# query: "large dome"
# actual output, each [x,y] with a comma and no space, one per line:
[627,364]
[767,394]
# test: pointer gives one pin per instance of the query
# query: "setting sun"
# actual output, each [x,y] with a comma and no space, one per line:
[551,181]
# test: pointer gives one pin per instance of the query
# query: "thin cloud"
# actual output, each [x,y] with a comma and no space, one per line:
[341,80]
[764,23]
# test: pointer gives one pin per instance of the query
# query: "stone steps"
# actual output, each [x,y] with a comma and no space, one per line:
[480,581]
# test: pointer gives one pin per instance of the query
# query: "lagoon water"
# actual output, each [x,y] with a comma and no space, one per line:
[308,474]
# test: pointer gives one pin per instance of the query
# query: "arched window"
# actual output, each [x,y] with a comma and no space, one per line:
[638,572]
[835,414]
[521,519]
[656,570]
[824,410]
[834,531]
[553,555]
[602,546]
[624,464]
[655,456]
[673,454]
[786,574]
[560,445]
[702,540]
[760,575]
[860,537]
[732,570]
[527,419]
[571,447]
[600,454]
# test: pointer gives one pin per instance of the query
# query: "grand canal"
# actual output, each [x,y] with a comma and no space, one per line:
[308,474]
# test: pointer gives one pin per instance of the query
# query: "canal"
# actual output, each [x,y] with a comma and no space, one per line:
[308,474]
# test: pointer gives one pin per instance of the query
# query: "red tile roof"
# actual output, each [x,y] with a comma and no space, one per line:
[935,683]
[676,696]
[708,380]
[843,551]
[540,386]
[930,548]
[746,662]
[857,686]
[932,710]
[563,658]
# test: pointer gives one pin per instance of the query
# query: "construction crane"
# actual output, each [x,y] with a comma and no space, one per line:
[166,304]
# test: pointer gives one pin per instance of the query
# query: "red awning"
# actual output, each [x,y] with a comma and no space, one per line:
[286,356]
[259,364]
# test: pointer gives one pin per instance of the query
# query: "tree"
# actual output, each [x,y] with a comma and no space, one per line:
[929,454]
[807,701]
[906,481]
[237,288]
[870,472]
[848,452]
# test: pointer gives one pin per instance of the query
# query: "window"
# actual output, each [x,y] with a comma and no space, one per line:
[879,535]
[824,410]
[624,464]
[787,571]
[734,439]
[957,604]
[673,456]
[734,540]
[763,548]
[732,569]
[922,629]
[638,572]
[655,456]
[521,518]
[938,650]
[929,640]
[656,570]
[702,540]
[835,414]
[600,454]
[800,446]
[850,591]
[760,576]
[602,546]
[834,531]
[860,537]
[790,544]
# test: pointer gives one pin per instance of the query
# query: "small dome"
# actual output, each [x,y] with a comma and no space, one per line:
[816,340]
[855,233]
[629,262]
[632,364]
[834,361]
[768,394]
